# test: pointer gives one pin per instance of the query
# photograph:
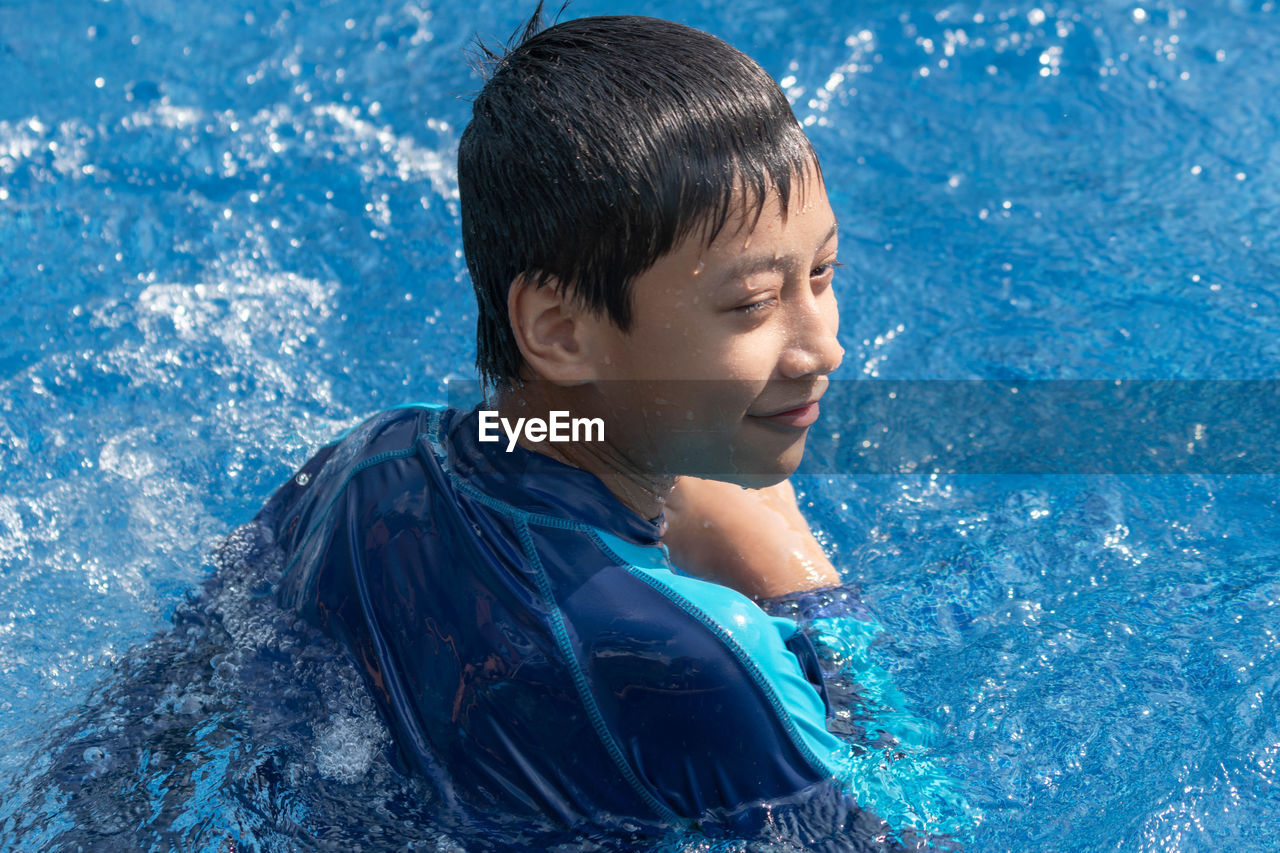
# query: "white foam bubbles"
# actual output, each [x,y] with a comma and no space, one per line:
[346,747]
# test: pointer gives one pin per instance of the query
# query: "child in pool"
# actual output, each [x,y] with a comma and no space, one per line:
[651,245]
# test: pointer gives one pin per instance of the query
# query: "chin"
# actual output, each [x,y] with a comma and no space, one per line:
[755,481]
[761,472]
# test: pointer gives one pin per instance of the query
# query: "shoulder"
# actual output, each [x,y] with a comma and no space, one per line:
[396,441]
[396,430]
[397,433]
[703,688]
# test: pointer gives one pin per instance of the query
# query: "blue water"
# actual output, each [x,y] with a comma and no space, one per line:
[229,230]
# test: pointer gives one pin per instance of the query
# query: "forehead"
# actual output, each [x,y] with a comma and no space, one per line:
[796,230]
[747,211]
[755,238]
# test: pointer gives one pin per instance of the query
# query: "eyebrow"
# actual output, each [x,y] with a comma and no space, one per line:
[767,263]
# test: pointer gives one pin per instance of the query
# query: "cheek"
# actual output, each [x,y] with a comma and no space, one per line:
[752,359]
[668,349]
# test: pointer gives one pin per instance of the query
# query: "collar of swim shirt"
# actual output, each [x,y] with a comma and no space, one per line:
[532,482]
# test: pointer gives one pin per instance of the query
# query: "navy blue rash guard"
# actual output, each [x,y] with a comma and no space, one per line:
[530,645]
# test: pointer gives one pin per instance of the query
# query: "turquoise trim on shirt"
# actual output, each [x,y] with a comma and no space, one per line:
[756,638]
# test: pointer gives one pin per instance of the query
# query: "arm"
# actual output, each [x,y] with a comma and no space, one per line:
[753,540]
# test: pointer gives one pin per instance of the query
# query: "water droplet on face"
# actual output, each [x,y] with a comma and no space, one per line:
[701,266]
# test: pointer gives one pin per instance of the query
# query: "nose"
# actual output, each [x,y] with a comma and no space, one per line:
[813,349]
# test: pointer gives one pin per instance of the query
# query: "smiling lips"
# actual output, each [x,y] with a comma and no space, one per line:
[801,416]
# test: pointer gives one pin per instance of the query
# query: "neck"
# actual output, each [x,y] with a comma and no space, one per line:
[641,491]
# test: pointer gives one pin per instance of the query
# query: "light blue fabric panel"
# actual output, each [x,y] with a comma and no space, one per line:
[761,637]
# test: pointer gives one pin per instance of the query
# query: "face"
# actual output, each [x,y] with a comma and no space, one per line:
[730,347]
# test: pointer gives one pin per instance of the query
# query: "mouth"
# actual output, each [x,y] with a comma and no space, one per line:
[803,415]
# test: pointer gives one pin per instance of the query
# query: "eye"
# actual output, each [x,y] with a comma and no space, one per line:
[754,307]
[824,269]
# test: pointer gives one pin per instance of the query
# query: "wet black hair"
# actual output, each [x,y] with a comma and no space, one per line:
[599,144]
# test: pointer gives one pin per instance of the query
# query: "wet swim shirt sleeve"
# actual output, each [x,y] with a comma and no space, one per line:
[724,677]
[828,602]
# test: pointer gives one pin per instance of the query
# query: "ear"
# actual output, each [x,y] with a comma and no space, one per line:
[551,330]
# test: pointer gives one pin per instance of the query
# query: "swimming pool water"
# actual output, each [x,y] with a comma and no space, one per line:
[229,230]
